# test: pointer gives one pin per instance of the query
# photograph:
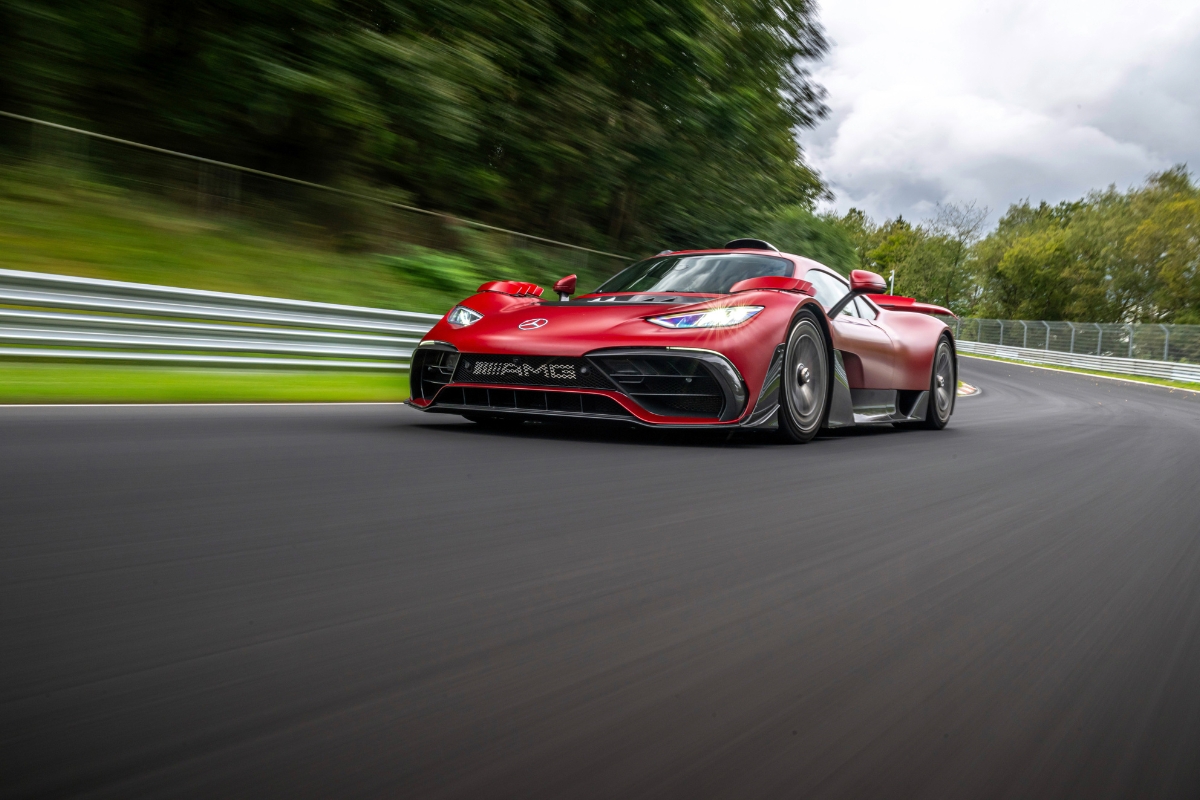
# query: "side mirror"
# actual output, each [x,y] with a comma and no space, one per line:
[863,282]
[566,287]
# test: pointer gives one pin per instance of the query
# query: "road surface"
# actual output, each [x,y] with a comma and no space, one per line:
[366,602]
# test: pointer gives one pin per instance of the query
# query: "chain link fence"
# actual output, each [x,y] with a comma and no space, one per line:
[354,217]
[1150,342]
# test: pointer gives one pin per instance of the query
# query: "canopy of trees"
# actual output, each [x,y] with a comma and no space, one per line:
[1109,257]
[626,123]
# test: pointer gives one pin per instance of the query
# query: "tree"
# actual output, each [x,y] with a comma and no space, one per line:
[932,261]
[1109,257]
[796,229]
[630,124]
[959,227]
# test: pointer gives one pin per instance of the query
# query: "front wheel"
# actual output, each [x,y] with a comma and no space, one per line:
[805,400]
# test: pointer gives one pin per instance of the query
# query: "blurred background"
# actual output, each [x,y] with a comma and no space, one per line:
[395,155]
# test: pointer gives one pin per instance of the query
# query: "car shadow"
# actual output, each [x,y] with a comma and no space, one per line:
[616,433]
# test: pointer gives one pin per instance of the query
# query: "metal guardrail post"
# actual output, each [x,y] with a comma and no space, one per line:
[1072,324]
[1025,340]
[1047,324]
[1131,334]
[1166,342]
[1099,337]
[1001,331]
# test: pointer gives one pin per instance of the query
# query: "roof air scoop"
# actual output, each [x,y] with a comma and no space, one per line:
[750,244]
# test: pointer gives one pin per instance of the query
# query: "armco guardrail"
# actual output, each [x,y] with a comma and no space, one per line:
[1115,364]
[49,316]
[60,317]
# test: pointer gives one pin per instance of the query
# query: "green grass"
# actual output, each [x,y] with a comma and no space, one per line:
[60,222]
[1195,387]
[46,382]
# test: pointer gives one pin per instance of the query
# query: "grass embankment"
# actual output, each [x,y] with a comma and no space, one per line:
[61,222]
[1195,387]
[66,225]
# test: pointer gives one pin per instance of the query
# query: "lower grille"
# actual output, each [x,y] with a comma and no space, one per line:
[532,400]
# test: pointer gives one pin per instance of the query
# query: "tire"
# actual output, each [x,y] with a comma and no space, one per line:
[943,386]
[805,383]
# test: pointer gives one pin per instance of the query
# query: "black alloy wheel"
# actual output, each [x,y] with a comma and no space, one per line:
[806,384]
[943,386]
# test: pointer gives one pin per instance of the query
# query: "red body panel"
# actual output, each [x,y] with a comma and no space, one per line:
[894,302]
[894,351]
[868,351]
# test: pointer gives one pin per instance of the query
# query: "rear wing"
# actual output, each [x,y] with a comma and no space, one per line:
[894,302]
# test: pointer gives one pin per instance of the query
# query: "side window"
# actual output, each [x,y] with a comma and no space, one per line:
[865,309]
[829,290]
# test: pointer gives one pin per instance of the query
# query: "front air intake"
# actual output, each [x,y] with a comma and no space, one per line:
[431,369]
[666,384]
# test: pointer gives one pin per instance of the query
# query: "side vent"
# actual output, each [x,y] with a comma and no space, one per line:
[515,288]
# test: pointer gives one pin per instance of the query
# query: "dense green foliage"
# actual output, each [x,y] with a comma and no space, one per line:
[1109,257]
[628,124]
[795,229]
[933,262]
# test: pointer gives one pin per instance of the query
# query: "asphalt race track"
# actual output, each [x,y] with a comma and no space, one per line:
[365,602]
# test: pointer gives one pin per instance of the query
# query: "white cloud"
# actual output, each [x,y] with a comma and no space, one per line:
[941,101]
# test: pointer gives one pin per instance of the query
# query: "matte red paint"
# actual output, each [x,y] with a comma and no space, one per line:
[512,287]
[862,280]
[566,285]
[894,351]
[776,282]
[899,303]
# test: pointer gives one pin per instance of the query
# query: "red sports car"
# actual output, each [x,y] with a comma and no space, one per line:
[741,337]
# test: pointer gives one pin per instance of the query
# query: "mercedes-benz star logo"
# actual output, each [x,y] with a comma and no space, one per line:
[532,324]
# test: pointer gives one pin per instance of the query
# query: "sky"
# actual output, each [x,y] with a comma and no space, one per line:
[997,101]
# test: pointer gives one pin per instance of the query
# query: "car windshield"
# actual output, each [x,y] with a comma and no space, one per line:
[709,274]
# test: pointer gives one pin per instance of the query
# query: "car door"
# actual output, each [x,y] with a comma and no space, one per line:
[867,351]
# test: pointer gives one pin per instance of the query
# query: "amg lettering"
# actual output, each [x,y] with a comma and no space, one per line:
[558,372]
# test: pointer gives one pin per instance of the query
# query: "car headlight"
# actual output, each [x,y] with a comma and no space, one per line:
[712,318]
[461,317]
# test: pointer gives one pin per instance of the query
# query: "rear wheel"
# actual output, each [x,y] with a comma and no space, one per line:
[805,400]
[943,387]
